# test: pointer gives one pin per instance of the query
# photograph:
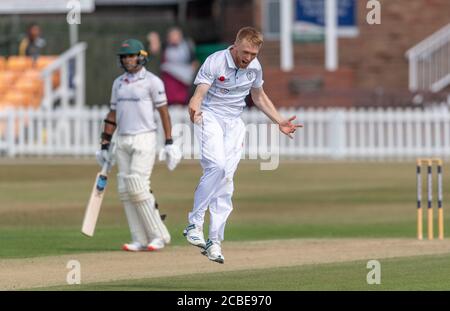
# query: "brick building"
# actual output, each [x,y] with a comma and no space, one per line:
[373,69]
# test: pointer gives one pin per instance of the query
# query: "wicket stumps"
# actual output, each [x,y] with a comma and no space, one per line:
[429,163]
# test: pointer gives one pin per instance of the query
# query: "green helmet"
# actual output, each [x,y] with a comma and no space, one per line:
[133,47]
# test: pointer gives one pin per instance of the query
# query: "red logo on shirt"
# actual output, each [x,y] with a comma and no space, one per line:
[221,78]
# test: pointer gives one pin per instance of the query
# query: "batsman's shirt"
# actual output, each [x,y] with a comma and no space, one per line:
[229,85]
[134,97]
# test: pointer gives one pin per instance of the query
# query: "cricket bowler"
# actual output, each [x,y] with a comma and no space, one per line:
[135,96]
[222,83]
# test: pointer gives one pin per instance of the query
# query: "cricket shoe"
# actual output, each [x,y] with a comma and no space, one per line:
[155,244]
[213,251]
[194,235]
[134,247]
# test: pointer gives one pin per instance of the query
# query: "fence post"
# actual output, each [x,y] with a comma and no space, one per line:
[337,133]
[47,101]
[413,76]
[79,79]
[64,85]
[10,132]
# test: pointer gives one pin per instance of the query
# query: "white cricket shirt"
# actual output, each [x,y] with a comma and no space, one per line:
[134,97]
[229,84]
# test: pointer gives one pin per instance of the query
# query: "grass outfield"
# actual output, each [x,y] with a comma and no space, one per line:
[410,273]
[41,206]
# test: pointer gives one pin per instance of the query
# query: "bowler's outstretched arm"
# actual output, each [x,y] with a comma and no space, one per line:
[263,102]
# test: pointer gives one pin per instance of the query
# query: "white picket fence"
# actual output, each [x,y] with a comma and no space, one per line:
[327,133]
[69,131]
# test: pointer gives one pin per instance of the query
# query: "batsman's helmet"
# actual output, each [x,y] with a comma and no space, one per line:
[133,47]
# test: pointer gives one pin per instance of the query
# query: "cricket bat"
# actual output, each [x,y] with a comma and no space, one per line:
[95,200]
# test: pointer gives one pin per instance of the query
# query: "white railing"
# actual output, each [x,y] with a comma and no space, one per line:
[69,64]
[429,62]
[327,133]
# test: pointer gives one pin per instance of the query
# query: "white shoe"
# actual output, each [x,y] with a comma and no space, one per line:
[134,247]
[194,235]
[155,244]
[213,251]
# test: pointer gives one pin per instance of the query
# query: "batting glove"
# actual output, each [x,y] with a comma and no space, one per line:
[102,155]
[171,154]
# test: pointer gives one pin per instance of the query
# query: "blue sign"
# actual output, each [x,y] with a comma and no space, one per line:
[313,12]
[309,21]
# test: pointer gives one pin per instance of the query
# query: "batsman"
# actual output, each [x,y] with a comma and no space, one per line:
[136,95]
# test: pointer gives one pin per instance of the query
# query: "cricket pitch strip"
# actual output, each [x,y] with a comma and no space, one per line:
[38,272]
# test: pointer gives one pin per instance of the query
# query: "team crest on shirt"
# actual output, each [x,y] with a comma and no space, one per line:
[250,75]
[224,91]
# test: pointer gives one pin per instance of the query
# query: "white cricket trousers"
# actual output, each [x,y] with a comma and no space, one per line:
[221,144]
[135,155]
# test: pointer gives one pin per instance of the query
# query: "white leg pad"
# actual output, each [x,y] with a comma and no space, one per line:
[144,201]
[137,229]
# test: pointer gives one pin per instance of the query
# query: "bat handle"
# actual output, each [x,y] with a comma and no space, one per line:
[105,169]
[107,165]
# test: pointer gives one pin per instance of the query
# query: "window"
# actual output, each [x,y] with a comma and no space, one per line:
[271,19]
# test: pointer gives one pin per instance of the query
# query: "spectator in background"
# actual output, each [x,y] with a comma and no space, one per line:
[178,64]
[154,49]
[33,44]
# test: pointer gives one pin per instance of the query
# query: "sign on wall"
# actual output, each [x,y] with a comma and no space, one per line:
[309,19]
